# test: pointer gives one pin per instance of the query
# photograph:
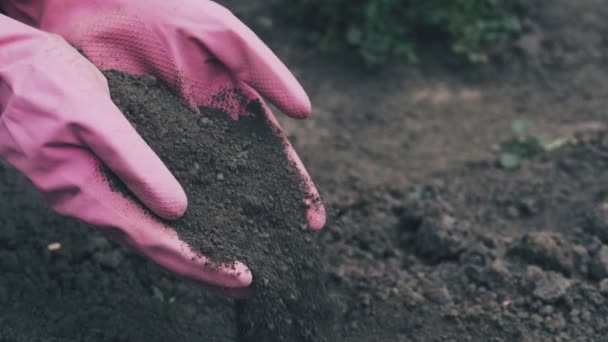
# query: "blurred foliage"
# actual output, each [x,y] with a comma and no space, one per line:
[524,144]
[379,29]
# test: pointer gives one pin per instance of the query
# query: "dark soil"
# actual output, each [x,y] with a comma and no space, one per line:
[427,238]
[246,203]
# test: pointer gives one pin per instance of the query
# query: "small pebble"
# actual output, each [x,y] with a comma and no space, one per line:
[365,299]
[55,246]
[604,286]
[546,310]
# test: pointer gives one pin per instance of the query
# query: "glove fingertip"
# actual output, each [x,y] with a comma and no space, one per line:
[316,217]
[297,106]
[175,207]
[236,275]
[244,276]
[168,202]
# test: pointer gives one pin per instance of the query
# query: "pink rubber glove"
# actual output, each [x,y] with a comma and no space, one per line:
[58,122]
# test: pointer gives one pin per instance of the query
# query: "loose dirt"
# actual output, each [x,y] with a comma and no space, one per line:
[427,238]
[246,203]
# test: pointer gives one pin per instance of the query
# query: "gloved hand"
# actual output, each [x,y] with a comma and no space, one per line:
[58,123]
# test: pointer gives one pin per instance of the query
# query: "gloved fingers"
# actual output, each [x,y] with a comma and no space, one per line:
[129,223]
[80,186]
[315,209]
[252,62]
[166,249]
[72,107]
[113,140]
[315,212]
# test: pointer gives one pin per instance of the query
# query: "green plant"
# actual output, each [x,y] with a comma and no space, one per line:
[473,25]
[419,192]
[379,29]
[524,144]
[159,295]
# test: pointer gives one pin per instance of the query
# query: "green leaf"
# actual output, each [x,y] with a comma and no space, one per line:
[555,144]
[510,161]
[418,192]
[158,294]
[512,23]
[378,28]
[522,127]
[354,35]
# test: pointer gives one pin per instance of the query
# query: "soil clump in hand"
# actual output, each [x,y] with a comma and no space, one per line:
[245,204]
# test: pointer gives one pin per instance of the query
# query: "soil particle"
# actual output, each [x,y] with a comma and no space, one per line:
[491,276]
[598,268]
[111,259]
[549,286]
[245,204]
[550,251]
[8,261]
[597,221]
[441,239]
[581,259]
[604,286]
